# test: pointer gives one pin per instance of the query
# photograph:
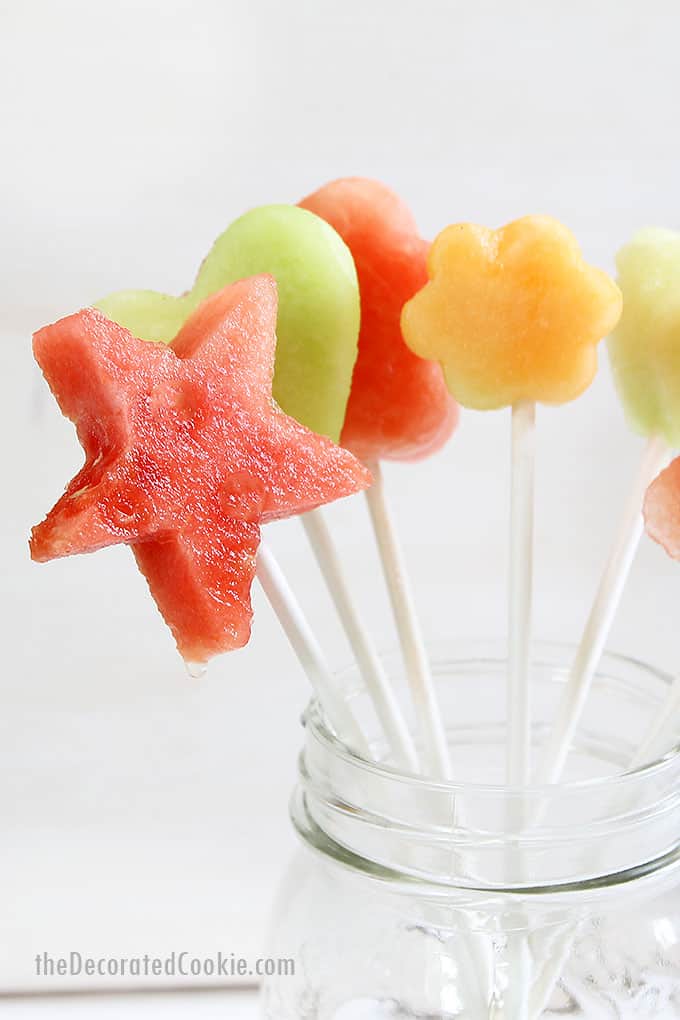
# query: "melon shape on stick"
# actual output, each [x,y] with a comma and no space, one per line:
[399,407]
[662,509]
[318,317]
[513,315]
[644,349]
[186,454]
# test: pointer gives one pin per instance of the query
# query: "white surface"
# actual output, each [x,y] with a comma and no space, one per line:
[204,1005]
[141,809]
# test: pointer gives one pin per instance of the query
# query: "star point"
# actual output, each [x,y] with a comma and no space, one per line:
[186,455]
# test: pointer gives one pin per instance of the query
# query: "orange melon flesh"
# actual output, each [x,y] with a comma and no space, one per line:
[399,407]
[186,455]
[513,314]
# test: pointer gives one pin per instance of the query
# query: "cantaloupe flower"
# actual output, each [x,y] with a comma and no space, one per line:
[513,314]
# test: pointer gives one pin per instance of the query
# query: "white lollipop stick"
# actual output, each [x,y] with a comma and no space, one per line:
[601,615]
[607,599]
[474,964]
[518,747]
[666,725]
[306,647]
[667,721]
[520,594]
[550,974]
[518,991]
[382,695]
[410,636]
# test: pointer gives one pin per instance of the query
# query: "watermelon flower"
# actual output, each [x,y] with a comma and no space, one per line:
[186,454]
[513,314]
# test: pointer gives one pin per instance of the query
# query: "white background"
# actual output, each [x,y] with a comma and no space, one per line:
[143,811]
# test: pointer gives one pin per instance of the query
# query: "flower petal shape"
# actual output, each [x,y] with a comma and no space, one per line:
[513,314]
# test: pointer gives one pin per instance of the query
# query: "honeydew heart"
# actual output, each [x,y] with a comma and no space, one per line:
[318,315]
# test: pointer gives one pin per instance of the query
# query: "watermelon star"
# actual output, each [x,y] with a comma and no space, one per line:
[186,454]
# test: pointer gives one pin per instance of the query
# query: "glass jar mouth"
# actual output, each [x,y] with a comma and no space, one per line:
[309,831]
[603,819]
[314,718]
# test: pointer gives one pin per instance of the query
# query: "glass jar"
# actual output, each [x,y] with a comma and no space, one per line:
[469,899]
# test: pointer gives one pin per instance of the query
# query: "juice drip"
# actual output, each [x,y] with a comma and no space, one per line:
[196,670]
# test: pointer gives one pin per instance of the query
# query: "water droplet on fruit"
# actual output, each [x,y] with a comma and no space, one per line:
[242,496]
[183,398]
[196,670]
[127,508]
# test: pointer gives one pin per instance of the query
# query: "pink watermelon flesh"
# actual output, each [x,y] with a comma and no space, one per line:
[186,455]
[399,406]
[662,509]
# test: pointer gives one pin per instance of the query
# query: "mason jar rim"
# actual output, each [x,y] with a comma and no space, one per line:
[492,836]
[314,717]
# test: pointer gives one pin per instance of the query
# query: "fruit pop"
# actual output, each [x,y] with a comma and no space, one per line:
[186,456]
[514,316]
[317,331]
[644,351]
[399,407]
